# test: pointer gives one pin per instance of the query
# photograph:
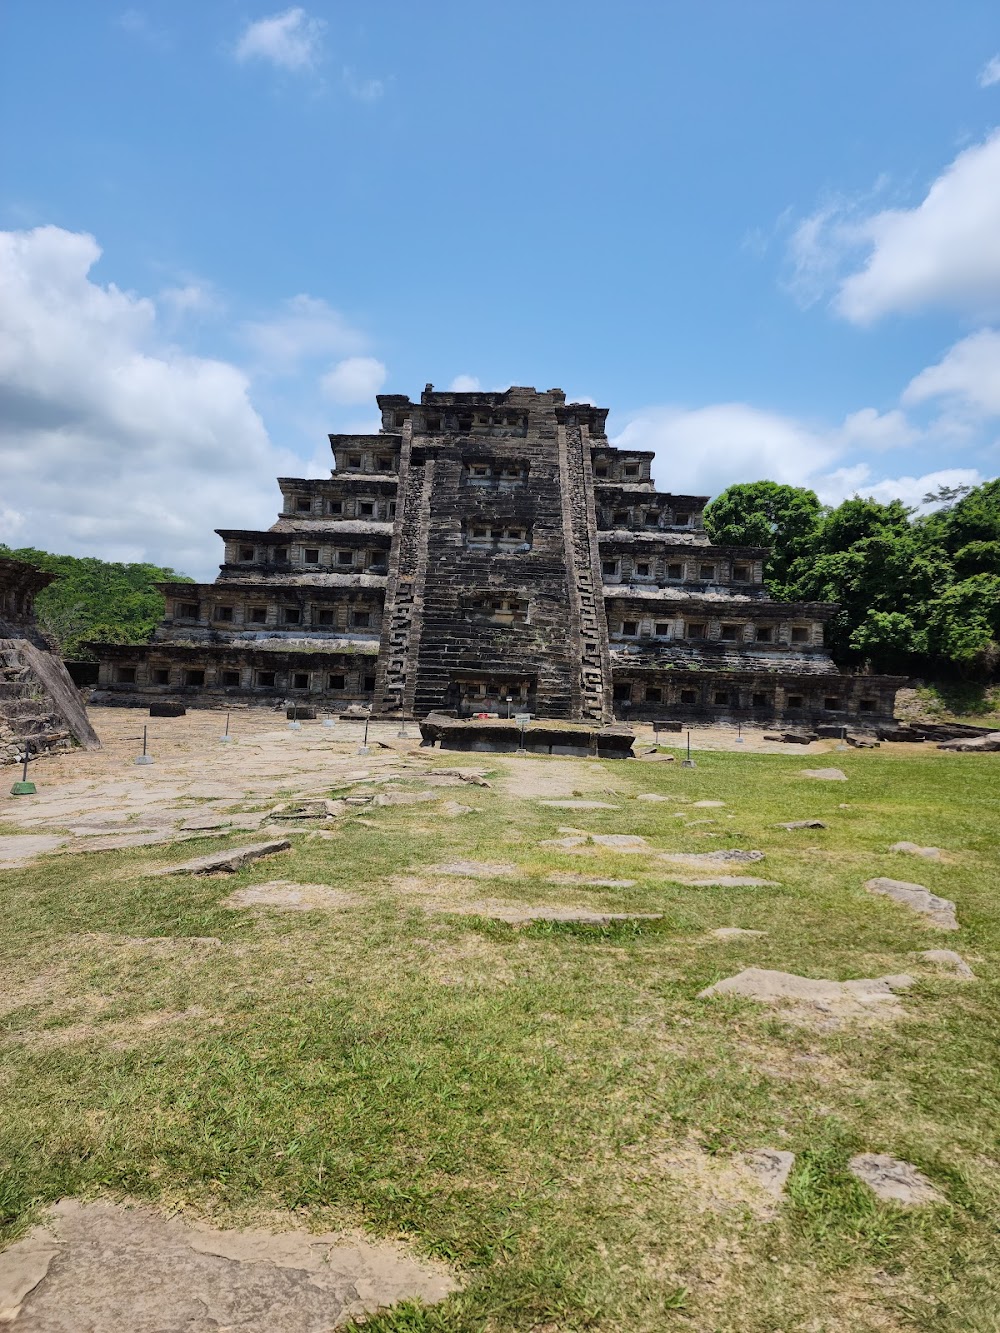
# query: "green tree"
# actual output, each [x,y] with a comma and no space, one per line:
[765,513]
[964,625]
[870,559]
[96,600]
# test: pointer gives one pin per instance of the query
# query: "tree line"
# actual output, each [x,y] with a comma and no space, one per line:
[96,599]
[919,593]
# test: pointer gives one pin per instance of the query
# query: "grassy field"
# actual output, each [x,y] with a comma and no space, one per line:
[551,1109]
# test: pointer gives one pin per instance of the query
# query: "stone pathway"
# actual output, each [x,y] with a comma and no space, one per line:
[105,1268]
[950,961]
[518,914]
[287,896]
[894,1181]
[228,862]
[771,1166]
[474,869]
[840,998]
[824,774]
[728,882]
[928,853]
[938,912]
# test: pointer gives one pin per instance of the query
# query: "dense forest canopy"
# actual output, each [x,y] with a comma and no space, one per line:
[918,593]
[92,599]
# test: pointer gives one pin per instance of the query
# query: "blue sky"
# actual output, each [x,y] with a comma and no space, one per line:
[766,235]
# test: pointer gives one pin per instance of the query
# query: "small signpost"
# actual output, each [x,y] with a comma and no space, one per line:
[24,787]
[363,747]
[295,724]
[521,720]
[739,733]
[226,739]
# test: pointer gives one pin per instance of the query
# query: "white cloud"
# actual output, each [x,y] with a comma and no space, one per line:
[704,450]
[362,90]
[464,384]
[700,452]
[114,443]
[868,429]
[306,328]
[191,299]
[291,40]
[990,73]
[354,380]
[943,252]
[846,482]
[967,376]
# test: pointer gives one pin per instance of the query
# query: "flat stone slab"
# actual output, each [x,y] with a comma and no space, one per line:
[207,822]
[454,808]
[580,805]
[620,842]
[939,912]
[654,796]
[894,1181]
[802,823]
[770,1166]
[286,896]
[950,961]
[577,839]
[837,997]
[102,1266]
[707,805]
[227,863]
[589,881]
[405,797]
[823,774]
[928,853]
[517,914]
[475,869]
[733,932]
[729,882]
[18,847]
[708,860]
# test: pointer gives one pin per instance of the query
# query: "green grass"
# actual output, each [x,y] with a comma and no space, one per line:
[509,1099]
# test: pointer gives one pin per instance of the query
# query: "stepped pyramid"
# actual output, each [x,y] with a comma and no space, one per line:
[40,707]
[493,552]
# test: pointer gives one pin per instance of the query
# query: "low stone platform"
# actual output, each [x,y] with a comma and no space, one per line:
[503,736]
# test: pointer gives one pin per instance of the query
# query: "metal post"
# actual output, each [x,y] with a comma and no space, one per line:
[363,747]
[226,738]
[739,733]
[688,762]
[145,757]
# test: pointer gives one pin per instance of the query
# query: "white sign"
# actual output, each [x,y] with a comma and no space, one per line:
[522,719]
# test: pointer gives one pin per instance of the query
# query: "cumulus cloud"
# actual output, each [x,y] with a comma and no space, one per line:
[990,73]
[355,380]
[857,480]
[943,252]
[464,384]
[115,443]
[290,40]
[305,328]
[877,430]
[967,377]
[703,450]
